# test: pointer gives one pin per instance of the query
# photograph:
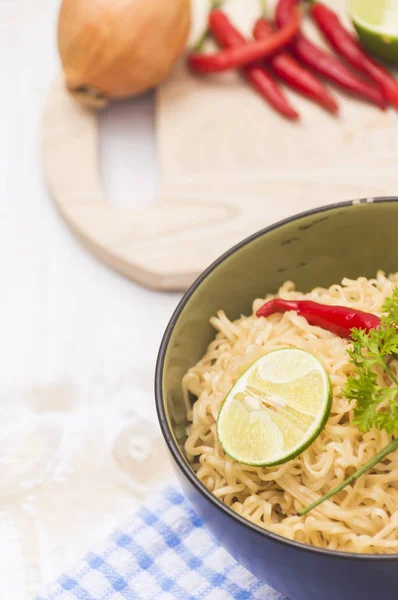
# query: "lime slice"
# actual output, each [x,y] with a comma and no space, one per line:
[276,409]
[376,22]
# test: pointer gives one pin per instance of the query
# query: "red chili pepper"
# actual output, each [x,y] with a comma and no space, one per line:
[293,73]
[324,63]
[257,75]
[347,46]
[338,319]
[232,58]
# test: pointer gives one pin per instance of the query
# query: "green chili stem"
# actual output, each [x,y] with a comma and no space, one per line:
[263,8]
[366,467]
[200,42]
[198,45]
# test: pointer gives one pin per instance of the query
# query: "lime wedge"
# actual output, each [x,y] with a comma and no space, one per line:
[376,22]
[276,409]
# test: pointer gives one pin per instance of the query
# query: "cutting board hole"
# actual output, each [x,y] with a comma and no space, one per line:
[128,162]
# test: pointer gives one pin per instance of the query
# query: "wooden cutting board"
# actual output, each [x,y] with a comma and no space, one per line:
[229,165]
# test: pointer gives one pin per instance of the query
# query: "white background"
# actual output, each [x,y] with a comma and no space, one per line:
[78,431]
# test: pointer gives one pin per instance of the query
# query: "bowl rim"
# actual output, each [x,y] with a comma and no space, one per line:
[160,406]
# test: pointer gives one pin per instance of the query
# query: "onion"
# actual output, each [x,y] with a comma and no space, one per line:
[113,49]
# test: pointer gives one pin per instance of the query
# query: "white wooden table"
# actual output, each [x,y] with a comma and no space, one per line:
[78,431]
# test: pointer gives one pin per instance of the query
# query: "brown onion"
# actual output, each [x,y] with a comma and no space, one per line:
[112,49]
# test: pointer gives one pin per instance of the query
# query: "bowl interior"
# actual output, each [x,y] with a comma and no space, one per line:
[313,249]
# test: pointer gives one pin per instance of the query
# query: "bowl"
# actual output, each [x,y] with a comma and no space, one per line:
[315,248]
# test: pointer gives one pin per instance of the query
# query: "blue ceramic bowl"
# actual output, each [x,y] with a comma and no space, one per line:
[316,248]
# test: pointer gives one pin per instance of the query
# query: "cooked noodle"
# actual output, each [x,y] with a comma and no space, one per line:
[363,517]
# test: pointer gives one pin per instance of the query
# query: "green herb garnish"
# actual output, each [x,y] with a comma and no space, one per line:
[375,404]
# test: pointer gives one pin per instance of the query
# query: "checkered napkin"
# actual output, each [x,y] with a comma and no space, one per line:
[164,553]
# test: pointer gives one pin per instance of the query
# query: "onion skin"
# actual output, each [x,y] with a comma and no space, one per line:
[113,49]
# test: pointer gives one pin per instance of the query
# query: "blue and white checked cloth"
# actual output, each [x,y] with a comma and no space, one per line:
[165,553]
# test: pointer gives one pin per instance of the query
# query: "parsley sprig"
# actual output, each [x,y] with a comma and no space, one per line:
[376,403]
